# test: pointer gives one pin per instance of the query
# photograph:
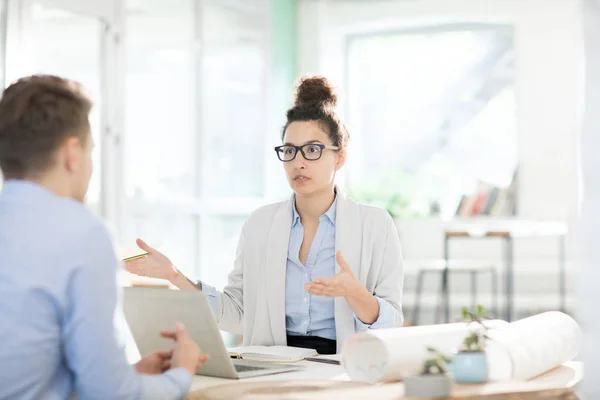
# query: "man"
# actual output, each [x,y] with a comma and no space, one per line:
[58,267]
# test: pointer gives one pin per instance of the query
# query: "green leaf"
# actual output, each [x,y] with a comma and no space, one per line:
[437,363]
[466,315]
[480,311]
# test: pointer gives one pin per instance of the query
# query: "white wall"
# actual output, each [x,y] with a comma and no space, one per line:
[549,72]
[590,213]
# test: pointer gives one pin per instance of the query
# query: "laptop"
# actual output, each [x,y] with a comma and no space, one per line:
[149,311]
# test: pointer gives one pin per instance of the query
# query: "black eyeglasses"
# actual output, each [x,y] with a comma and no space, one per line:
[311,152]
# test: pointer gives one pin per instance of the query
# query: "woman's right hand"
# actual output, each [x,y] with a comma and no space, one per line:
[154,265]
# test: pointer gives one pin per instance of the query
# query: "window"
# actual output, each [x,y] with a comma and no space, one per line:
[435,114]
[233,83]
[195,128]
[67,44]
[161,174]
[233,112]
[160,138]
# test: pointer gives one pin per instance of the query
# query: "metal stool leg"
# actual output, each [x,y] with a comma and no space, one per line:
[494,273]
[443,306]
[417,304]
[473,290]
[446,278]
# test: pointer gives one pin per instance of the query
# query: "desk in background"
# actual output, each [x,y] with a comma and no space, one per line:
[506,230]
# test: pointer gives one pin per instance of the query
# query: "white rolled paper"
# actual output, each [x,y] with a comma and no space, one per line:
[519,351]
[532,346]
[391,354]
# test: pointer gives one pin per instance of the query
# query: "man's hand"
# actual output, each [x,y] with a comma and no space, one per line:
[186,353]
[154,363]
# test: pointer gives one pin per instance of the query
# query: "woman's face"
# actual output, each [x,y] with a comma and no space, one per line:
[309,176]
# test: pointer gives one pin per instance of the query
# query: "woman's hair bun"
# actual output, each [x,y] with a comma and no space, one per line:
[315,89]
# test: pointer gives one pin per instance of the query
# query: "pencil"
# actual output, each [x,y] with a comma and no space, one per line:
[135,257]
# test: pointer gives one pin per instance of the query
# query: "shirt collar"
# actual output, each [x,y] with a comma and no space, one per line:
[329,214]
[22,187]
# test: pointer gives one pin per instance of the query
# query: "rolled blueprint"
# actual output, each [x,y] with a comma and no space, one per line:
[390,354]
[517,351]
[529,347]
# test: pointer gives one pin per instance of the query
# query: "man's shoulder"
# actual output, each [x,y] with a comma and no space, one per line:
[88,239]
[72,224]
[79,217]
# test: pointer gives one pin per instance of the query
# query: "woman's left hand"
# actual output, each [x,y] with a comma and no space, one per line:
[342,284]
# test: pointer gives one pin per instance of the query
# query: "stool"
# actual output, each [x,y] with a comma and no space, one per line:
[459,266]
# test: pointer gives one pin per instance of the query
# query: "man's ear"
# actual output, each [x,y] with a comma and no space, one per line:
[71,154]
[341,159]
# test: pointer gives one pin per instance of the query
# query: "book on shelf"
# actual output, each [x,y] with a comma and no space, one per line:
[488,200]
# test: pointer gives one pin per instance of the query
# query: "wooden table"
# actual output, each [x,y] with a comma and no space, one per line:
[328,381]
[506,230]
[311,371]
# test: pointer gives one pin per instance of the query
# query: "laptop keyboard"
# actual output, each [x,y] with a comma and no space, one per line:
[247,368]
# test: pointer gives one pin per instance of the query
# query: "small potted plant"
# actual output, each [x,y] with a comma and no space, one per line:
[433,381]
[469,364]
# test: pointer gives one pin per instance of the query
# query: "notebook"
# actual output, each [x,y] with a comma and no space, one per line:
[271,353]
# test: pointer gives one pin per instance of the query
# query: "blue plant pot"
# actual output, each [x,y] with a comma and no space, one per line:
[469,367]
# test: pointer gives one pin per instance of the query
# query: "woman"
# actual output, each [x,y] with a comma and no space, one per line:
[286,287]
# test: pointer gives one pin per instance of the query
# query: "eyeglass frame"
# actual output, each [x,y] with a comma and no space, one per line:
[320,145]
